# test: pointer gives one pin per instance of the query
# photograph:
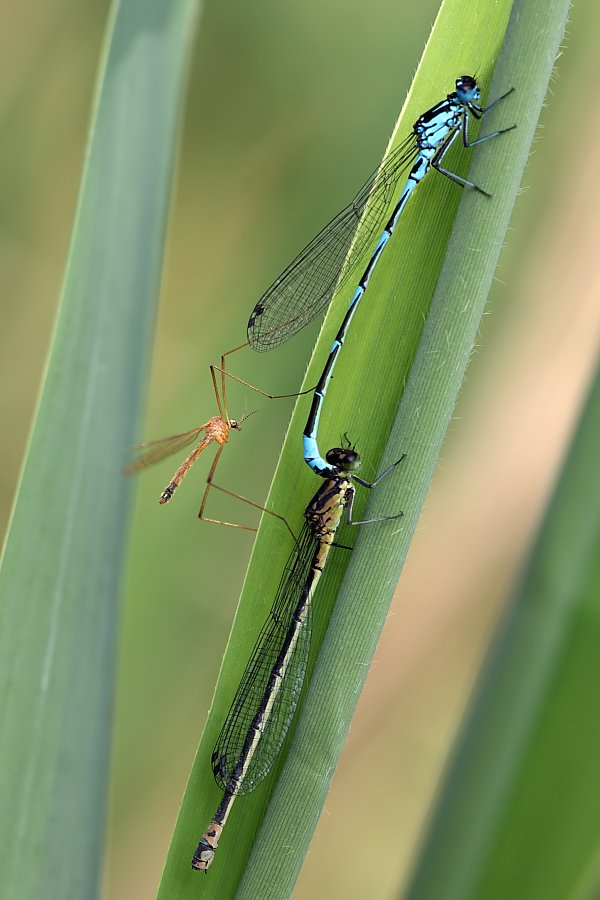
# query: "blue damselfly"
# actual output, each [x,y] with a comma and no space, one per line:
[433,133]
[308,284]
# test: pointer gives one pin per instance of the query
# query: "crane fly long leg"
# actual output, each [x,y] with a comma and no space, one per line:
[222,370]
[255,505]
[224,416]
[210,484]
[258,391]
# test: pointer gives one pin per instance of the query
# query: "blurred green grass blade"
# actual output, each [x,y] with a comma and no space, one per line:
[61,567]
[519,815]
[363,399]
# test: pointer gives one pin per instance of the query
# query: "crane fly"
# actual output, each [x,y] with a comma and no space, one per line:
[216,430]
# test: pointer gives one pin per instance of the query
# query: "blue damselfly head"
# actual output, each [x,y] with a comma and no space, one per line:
[343,458]
[467,89]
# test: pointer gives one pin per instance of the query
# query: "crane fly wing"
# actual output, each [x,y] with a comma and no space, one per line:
[160,449]
[310,281]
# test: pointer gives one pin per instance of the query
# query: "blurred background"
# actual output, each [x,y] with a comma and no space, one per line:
[289,109]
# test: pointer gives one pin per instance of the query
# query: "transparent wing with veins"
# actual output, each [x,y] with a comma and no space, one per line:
[163,447]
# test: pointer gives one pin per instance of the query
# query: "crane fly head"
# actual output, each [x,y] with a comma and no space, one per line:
[237,423]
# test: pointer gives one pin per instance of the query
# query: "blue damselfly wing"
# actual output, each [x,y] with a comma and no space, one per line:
[307,285]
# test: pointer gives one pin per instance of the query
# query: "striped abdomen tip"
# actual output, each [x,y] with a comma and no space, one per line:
[205,851]
[167,493]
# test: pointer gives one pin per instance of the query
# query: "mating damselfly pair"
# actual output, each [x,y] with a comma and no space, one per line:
[268,694]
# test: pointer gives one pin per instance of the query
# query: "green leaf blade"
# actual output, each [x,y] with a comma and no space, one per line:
[425,412]
[363,400]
